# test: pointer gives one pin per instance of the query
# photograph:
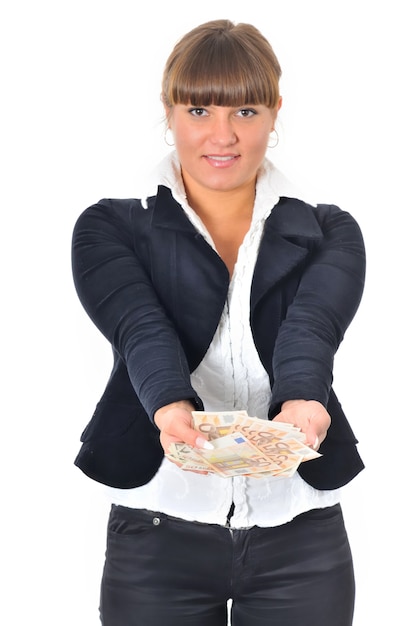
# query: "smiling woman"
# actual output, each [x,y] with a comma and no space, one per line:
[217,292]
[221,97]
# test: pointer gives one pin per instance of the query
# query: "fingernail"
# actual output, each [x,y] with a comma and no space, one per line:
[203,443]
[316,443]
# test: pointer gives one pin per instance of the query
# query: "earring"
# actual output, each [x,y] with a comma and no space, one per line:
[276,139]
[166,137]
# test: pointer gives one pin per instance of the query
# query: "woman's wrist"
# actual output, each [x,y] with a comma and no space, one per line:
[180,404]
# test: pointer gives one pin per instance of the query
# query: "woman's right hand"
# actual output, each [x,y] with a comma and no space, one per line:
[175,424]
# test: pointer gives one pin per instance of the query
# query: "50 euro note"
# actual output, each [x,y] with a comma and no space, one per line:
[243,445]
[232,455]
[282,443]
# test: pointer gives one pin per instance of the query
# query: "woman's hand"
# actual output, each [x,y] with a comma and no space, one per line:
[175,424]
[308,415]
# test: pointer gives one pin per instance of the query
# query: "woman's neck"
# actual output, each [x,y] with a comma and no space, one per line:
[227,217]
[218,205]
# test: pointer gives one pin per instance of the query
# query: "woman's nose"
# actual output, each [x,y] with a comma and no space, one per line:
[223,132]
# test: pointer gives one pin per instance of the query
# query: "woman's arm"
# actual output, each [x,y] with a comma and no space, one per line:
[117,293]
[326,301]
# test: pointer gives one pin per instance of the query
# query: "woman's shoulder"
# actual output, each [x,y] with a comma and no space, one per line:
[119,212]
[320,210]
[119,207]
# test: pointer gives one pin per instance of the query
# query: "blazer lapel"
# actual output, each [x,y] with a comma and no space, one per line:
[189,277]
[288,233]
[169,214]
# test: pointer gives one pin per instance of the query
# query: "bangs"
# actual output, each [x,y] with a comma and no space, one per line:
[222,73]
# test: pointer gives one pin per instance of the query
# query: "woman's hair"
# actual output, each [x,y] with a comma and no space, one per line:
[223,64]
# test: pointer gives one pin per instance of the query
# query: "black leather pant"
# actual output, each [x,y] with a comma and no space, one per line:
[164,571]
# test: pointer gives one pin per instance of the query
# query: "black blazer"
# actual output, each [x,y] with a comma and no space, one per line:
[156,290]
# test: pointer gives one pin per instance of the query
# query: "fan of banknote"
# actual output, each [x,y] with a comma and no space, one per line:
[243,446]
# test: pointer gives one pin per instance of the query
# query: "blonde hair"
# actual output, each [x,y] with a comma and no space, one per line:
[223,64]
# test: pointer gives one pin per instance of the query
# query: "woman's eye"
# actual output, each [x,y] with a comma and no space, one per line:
[198,112]
[246,112]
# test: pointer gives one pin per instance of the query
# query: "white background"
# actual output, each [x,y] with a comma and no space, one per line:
[81,120]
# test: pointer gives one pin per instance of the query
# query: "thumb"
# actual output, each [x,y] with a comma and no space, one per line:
[201,442]
[175,425]
[182,430]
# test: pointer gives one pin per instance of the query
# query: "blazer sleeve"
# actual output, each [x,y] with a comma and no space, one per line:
[329,291]
[116,290]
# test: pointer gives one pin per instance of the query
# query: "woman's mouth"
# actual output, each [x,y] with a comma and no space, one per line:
[220,160]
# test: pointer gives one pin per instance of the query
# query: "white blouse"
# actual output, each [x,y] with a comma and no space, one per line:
[230,377]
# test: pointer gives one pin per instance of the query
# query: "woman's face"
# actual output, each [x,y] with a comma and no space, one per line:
[220,148]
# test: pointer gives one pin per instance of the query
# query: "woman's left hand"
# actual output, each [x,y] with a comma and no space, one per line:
[308,415]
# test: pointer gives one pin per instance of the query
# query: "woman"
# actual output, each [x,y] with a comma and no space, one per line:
[217,292]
